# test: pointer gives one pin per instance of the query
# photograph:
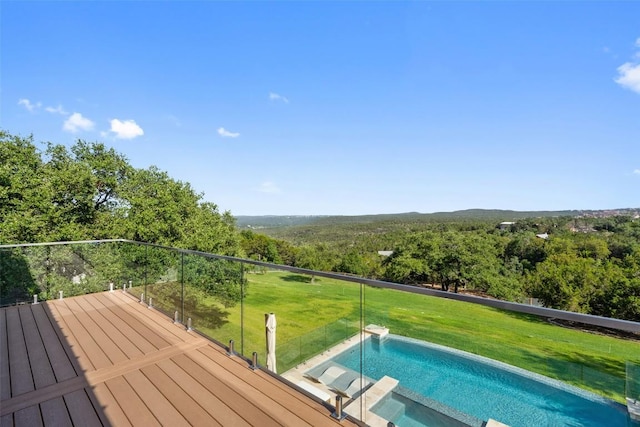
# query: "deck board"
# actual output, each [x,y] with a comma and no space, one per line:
[110,407]
[55,413]
[38,359]
[122,342]
[262,386]
[215,406]
[159,406]
[130,402]
[252,413]
[81,409]
[133,322]
[105,359]
[150,317]
[19,368]
[6,421]
[139,340]
[189,408]
[28,417]
[61,363]
[5,378]
[107,346]
[78,338]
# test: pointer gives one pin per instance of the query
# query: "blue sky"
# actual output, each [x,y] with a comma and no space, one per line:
[313,108]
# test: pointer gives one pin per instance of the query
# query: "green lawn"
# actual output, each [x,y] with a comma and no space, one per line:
[314,316]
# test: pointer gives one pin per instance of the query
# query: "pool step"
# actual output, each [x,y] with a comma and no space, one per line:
[393,410]
[494,423]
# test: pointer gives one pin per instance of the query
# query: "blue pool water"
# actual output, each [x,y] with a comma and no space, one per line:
[482,388]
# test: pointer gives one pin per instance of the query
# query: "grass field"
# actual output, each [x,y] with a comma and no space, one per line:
[314,316]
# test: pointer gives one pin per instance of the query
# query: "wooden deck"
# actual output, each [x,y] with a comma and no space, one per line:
[105,359]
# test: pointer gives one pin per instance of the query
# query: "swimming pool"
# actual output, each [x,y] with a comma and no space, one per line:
[481,387]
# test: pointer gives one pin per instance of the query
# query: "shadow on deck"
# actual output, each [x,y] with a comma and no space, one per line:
[104,359]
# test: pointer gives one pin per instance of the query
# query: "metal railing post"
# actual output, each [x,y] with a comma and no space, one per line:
[254,361]
[338,414]
[182,285]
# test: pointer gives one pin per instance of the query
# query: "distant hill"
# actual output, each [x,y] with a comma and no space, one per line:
[276,221]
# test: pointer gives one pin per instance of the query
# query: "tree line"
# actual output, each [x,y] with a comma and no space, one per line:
[587,265]
[88,191]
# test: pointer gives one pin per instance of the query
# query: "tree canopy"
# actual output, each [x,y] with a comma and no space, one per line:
[89,191]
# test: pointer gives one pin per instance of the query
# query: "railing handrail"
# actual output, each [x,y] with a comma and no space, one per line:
[550,313]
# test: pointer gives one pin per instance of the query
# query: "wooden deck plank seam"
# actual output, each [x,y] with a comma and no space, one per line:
[81,409]
[64,366]
[109,407]
[71,338]
[172,330]
[162,408]
[193,412]
[205,398]
[157,341]
[265,378]
[109,348]
[126,347]
[93,378]
[231,396]
[132,335]
[133,407]
[5,376]
[259,383]
[39,361]
[18,358]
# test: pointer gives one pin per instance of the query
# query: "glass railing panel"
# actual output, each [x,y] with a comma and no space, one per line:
[317,318]
[161,273]
[131,267]
[313,314]
[47,271]
[18,279]
[593,360]
[632,392]
[213,291]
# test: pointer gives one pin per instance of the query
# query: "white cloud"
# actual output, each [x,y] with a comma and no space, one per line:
[76,123]
[636,171]
[57,110]
[277,97]
[28,105]
[629,73]
[127,129]
[269,187]
[227,134]
[629,76]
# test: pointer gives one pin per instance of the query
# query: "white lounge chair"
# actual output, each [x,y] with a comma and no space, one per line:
[329,375]
[353,388]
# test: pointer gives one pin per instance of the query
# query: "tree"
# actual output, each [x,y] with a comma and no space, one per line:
[566,282]
[527,248]
[316,257]
[157,207]
[24,198]
[352,263]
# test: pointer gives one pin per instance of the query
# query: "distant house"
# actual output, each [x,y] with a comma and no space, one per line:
[543,236]
[385,253]
[506,225]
